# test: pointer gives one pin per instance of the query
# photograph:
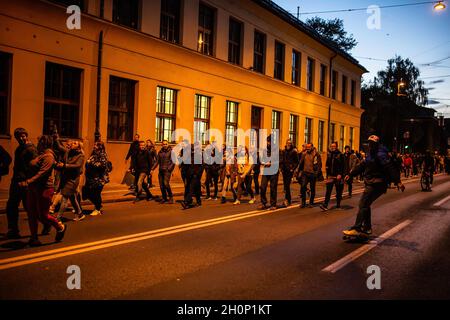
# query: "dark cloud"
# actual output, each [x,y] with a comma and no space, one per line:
[436,81]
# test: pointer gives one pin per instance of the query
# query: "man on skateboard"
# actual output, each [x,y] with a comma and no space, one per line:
[379,171]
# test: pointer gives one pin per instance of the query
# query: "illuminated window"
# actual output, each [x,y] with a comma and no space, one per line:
[201,118]
[166,106]
[206,22]
[231,124]
[293,129]
[308,130]
[320,141]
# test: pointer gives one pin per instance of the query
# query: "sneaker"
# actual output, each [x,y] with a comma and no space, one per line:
[46,230]
[60,234]
[272,208]
[163,201]
[208,198]
[303,205]
[367,231]
[351,232]
[236,202]
[96,213]
[286,203]
[170,201]
[224,200]
[324,207]
[79,217]
[263,207]
[149,198]
[252,201]
[34,243]
[214,199]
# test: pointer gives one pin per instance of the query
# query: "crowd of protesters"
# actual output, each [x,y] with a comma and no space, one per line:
[47,177]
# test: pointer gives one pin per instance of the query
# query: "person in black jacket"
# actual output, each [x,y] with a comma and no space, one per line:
[379,170]
[22,170]
[143,163]
[166,166]
[289,163]
[5,161]
[335,174]
[193,178]
[212,172]
[132,151]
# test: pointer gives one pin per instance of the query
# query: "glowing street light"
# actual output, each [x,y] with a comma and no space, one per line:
[439,6]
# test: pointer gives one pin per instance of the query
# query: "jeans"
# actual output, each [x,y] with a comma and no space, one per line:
[38,205]
[308,178]
[244,184]
[256,181]
[16,195]
[287,179]
[212,177]
[164,184]
[339,184]
[371,193]
[193,189]
[75,204]
[142,183]
[95,196]
[273,181]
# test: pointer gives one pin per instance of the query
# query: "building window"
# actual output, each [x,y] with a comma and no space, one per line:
[308,130]
[67,3]
[121,109]
[126,13]
[310,74]
[170,20]
[320,141]
[231,124]
[296,67]
[344,89]
[352,93]
[332,133]
[235,42]
[62,100]
[342,138]
[201,118]
[259,55]
[276,124]
[206,22]
[334,84]
[279,61]
[323,79]
[5,91]
[293,129]
[350,138]
[166,108]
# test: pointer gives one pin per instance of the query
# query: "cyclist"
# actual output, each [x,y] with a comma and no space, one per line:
[428,165]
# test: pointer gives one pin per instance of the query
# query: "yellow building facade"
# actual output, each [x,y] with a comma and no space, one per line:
[227,51]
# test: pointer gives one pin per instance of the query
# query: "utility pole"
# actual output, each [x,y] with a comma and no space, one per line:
[298,12]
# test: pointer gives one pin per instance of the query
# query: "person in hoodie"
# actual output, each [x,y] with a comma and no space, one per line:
[243,176]
[71,171]
[335,175]
[143,164]
[40,191]
[22,171]
[379,171]
[310,164]
[166,167]
[289,163]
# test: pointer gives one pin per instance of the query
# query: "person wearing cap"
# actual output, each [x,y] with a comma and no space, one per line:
[379,171]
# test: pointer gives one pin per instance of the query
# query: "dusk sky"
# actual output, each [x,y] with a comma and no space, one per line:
[416,32]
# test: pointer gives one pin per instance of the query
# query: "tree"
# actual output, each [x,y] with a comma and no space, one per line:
[387,81]
[334,31]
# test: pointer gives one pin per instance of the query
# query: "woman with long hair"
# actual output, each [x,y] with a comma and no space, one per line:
[97,171]
[40,192]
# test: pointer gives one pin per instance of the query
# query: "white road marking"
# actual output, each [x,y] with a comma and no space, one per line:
[341,263]
[441,202]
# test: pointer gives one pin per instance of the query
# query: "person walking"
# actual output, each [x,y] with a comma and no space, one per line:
[243,176]
[143,164]
[379,170]
[335,176]
[212,172]
[270,174]
[150,146]
[228,175]
[166,167]
[97,176]
[289,163]
[40,191]
[193,179]
[309,166]
[132,152]
[22,171]
[350,163]
[71,171]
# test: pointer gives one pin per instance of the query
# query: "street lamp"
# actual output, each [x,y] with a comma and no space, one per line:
[439,6]
[401,89]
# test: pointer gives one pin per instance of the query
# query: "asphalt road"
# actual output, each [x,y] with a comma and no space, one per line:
[152,251]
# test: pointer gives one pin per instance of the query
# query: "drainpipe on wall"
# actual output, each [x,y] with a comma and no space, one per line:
[97,134]
[329,96]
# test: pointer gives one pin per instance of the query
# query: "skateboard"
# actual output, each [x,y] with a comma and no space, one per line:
[361,237]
